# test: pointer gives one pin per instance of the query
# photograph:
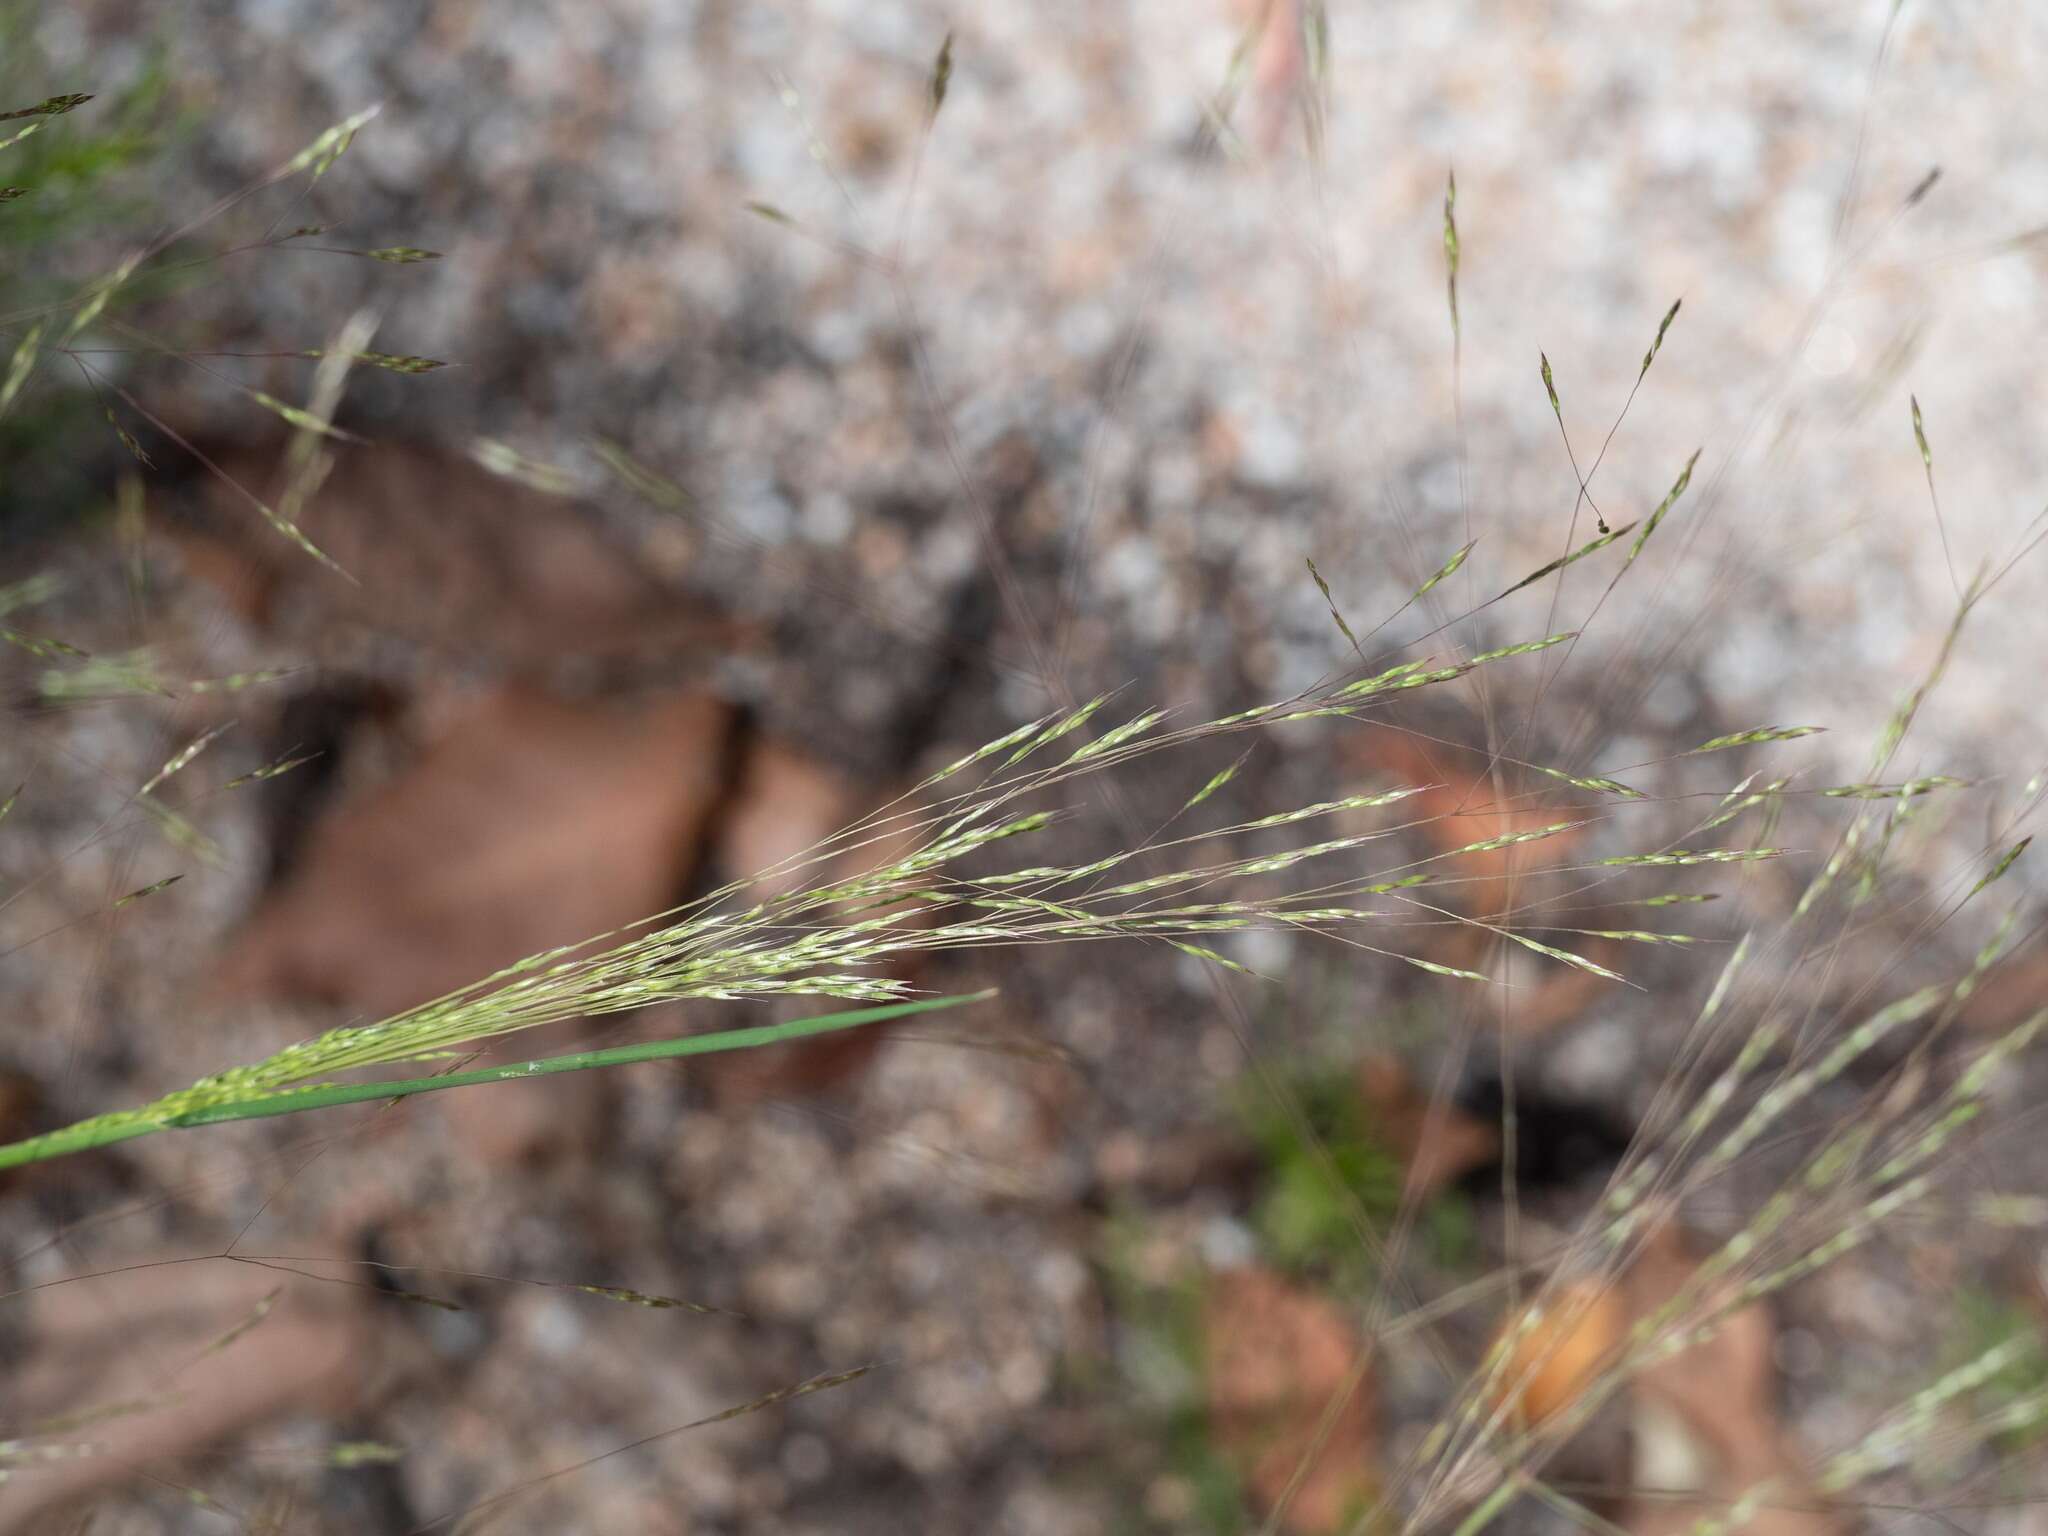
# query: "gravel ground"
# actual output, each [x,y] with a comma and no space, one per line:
[1167,376]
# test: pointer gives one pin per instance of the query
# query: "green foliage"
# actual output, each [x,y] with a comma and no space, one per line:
[1322,1164]
[1326,1167]
[73,168]
[1985,1322]
[79,171]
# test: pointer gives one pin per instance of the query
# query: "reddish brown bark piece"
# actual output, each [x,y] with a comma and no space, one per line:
[530,822]
[1278,1358]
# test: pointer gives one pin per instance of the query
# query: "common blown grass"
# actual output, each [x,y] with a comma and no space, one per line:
[961,874]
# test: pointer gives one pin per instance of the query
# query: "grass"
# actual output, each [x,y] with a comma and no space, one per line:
[1302,1219]
[1749,1080]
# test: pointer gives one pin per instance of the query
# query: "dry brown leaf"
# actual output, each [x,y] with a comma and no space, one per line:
[445,556]
[1705,1419]
[1552,1364]
[1722,1391]
[531,822]
[1461,808]
[151,1337]
[1277,1358]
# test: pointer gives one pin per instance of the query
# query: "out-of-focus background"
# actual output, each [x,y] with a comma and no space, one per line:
[797,440]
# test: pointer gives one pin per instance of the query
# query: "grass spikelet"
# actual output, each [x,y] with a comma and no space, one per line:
[1509,839]
[1670,500]
[239,682]
[1393,677]
[1598,786]
[1330,602]
[1409,674]
[1435,969]
[503,460]
[1446,571]
[396,361]
[645,1299]
[180,832]
[40,646]
[307,462]
[1638,936]
[983,753]
[327,145]
[422,1299]
[1927,466]
[271,770]
[1997,871]
[30,591]
[1325,808]
[148,890]
[657,489]
[1052,733]
[1963,1102]
[21,365]
[304,420]
[1523,648]
[398,255]
[1110,740]
[942,76]
[41,113]
[54,106]
[1795,1086]
[1451,257]
[1557,410]
[1216,782]
[183,758]
[95,679]
[257,1314]
[1592,547]
[1578,961]
[1682,856]
[1199,952]
[1735,802]
[346,1455]
[1752,738]
[99,294]
[127,441]
[1906,791]
[1657,343]
[1902,718]
[390,362]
